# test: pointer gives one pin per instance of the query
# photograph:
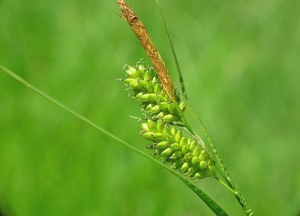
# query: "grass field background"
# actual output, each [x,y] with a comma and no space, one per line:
[240,62]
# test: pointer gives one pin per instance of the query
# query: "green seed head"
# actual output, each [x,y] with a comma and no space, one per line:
[171,143]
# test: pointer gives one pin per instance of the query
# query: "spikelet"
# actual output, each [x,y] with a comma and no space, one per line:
[141,32]
[173,144]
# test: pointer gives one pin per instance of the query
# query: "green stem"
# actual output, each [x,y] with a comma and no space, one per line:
[224,184]
[221,164]
[173,53]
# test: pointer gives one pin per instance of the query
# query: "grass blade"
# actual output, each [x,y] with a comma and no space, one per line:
[209,201]
[173,52]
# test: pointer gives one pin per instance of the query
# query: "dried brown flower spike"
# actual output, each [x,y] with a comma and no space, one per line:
[143,35]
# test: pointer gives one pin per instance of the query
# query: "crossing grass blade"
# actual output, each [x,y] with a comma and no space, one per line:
[210,202]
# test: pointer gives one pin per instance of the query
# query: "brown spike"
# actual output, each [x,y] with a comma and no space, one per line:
[144,37]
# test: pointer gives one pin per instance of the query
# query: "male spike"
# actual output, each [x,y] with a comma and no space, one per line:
[144,37]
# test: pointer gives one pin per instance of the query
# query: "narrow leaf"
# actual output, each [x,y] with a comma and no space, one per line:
[210,202]
[173,52]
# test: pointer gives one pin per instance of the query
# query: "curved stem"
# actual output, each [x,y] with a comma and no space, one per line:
[221,164]
[224,184]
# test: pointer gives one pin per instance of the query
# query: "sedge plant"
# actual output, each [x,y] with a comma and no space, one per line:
[173,140]
[176,145]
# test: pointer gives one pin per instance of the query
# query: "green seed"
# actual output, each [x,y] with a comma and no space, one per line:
[158,137]
[141,67]
[182,106]
[144,98]
[160,115]
[175,147]
[161,97]
[192,170]
[148,136]
[197,151]
[166,130]
[148,97]
[139,95]
[147,76]
[170,139]
[173,131]
[203,165]
[150,88]
[193,145]
[152,97]
[188,156]
[160,126]
[211,171]
[143,84]
[183,142]
[129,80]
[149,106]
[157,88]
[185,149]
[134,73]
[162,145]
[199,175]
[154,81]
[154,110]
[195,160]
[152,126]
[185,166]
[145,127]
[166,153]
[176,155]
[203,155]
[178,135]
[135,85]
[163,106]
[171,108]
[179,162]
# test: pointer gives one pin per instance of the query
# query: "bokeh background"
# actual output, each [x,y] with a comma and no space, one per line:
[240,61]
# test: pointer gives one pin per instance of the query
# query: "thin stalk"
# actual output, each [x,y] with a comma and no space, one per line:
[220,164]
[225,185]
[173,53]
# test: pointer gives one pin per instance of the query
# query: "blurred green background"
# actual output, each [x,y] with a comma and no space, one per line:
[240,61]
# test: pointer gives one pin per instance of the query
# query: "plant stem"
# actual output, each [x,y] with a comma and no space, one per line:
[221,165]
